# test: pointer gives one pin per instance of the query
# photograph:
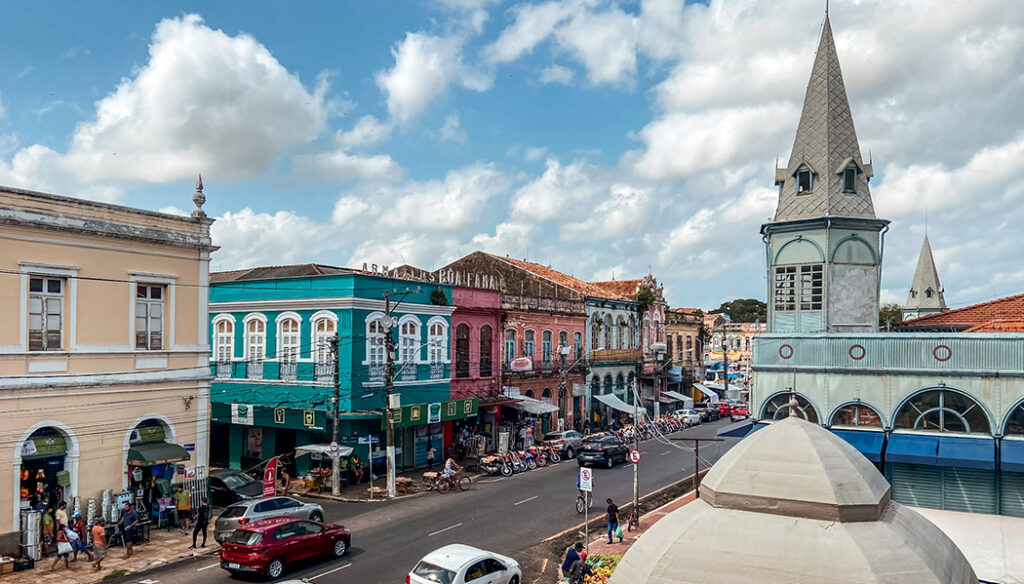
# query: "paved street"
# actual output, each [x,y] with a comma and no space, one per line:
[503,515]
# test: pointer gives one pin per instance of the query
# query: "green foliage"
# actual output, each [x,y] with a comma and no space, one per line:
[889,316]
[744,310]
[438,297]
[645,299]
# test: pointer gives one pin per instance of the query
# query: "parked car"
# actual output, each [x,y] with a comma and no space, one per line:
[256,509]
[691,417]
[605,450]
[267,547]
[724,408]
[231,486]
[714,413]
[458,564]
[567,443]
[739,412]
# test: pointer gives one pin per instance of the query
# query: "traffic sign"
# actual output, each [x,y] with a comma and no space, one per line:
[634,456]
[586,479]
[334,446]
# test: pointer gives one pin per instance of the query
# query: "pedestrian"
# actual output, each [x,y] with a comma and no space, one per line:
[62,514]
[48,525]
[357,469]
[572,553]
[63,547]
[580,570]
[286,481]
[202,522]
[99,544]
[77,537]
[129,519]
[431,453]
[182,507]
[613,520]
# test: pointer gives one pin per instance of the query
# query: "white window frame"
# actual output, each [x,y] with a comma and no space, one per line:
[168,281]
[149,302]
[44,297]
[289,345]
[69,332]
[218,338]
[437,351]
[374,340]
[409,344]
[320,348]
[255,340]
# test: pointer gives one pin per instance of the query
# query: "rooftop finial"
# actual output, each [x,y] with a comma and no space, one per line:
[793,404]
[199,198]
[826,7]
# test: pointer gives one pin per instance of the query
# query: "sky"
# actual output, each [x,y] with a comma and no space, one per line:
[602,138]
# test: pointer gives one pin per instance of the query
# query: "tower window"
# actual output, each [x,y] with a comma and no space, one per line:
[804,181]
[929,293]
[850,180]
[799,288]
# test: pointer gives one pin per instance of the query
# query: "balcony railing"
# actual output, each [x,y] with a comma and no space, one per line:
[254,370]
[616,355]
[408,372]
[288,371]
[545,366]
[323,372]
[223,369]
[437,370]
[375,372]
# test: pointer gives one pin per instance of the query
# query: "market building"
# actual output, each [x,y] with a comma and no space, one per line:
[104,382]
[941,414]
[271,330]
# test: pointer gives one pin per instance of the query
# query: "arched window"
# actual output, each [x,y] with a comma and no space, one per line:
[595,333]
[546,393]
[462,350]
[657,329]
[510,344]
[409,340]
[288,347]
[486,344]
[942,410]
[631,334]
[323,331]
[857,415]
[577,342]
[1015,421]
[608,388]
[609,336]
[529,343]
[595,386]
[563,341]
[777,408]
[620,383]
[529,393]
[437,342]
[224,339]
[622,336]
[255,345]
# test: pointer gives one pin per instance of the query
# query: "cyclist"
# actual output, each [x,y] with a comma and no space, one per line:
[450,470]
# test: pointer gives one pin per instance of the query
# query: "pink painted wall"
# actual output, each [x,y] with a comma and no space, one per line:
[476,308]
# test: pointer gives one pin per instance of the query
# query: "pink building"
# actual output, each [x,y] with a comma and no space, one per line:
[476,337]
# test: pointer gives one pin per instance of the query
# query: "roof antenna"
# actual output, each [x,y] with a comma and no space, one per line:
[926,221]
[826,7]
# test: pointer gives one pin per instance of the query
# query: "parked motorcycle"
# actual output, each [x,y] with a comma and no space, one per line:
[494,464]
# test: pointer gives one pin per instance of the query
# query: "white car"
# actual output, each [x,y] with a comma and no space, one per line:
[691,417]
[461,564]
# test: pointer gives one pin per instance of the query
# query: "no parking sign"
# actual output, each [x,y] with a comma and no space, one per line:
[586,479]
[634,456]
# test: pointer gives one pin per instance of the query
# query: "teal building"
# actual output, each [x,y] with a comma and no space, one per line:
[273,364]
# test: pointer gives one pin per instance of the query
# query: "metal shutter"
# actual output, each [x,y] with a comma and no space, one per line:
[1011,494]
[916,485]
[969,490]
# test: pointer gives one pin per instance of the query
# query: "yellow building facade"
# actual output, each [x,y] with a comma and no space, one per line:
[104,377]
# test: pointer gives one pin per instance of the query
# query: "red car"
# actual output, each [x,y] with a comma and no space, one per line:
[267,546]
[739,412]
[724,409]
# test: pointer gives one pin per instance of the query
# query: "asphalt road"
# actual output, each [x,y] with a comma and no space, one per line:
[502,515]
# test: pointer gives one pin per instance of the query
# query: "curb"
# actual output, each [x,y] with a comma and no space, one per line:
[324,497]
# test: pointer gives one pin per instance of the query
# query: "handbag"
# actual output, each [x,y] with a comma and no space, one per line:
[63,547]
[618,532]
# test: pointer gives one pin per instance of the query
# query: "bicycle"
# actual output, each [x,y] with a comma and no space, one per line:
[580,502]
[633,520]
[445,484]
[429,481]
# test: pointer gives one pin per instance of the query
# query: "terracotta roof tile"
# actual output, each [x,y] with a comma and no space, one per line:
[271,272]
[1007,309]
[620,288]
[685,310]
[998,326]
[558,277]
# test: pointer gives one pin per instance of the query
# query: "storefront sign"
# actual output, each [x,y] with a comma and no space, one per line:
[434,411]
[520,364]
[242,414]
[309,418]
[270,478]
[279,415]
[190,447]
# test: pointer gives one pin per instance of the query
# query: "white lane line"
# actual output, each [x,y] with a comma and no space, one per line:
[207,567]
[666,453]
[445,529]
[525,500]
[329,572]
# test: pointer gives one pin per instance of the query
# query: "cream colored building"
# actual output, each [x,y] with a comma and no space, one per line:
[104,354]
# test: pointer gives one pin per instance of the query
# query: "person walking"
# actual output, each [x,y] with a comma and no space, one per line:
[62,514]
[286,481]
[77,537]
[431,453]
[129,519]
[99,544]
[572,553]
[48,527]
[357,469]
[63,548]
[202,522]
[580,570]
[612,516]
[182,507]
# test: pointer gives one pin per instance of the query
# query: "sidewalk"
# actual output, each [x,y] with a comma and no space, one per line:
[600,545]
[361,493]
[163,547]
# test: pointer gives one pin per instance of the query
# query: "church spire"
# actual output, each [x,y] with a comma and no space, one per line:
[926,294]
[826,175]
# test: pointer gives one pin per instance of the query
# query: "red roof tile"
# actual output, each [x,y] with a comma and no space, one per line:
[559,278]
[998,326]
[1010,308]
[620,288]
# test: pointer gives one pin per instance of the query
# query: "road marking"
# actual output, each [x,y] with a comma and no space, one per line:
[666,453]
[207,567]
[444,530]
[497,480]
[148,581]
[525,500]
[329,572]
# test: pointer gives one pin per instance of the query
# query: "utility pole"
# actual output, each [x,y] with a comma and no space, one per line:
[389,388]
[335,459]
[636,446]
[725,361]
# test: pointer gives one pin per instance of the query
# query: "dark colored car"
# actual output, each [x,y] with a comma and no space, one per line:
[605,450]
[231,486]
[704,411]
[267,547]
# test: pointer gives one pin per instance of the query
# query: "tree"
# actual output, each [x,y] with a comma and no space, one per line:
[889,316]
[645,299]
[744,310]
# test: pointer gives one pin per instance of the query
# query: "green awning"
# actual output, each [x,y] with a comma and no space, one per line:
[150,453]
[43,447]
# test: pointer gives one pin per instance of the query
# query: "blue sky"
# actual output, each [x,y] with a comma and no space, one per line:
[599,137]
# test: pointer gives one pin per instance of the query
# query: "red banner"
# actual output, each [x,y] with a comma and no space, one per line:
[270,478]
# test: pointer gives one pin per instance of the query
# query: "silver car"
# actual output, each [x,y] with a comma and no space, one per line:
[566,442]
[255,509]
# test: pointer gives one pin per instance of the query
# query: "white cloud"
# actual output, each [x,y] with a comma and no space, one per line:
[534,153]
[510,237]
[449,205]
[425,67]
[451,130]
[547,197]
[367,132]
[556,74]
[338,166]
[249,238]
[604,42]
[348,208]
[622,215]
[532,24]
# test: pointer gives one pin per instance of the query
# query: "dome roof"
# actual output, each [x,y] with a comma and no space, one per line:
[797,469]
[794,504]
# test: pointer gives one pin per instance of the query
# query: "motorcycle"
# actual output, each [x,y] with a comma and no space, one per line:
[538,455]
[495,464]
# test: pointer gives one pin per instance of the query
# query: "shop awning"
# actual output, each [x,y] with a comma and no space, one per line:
[150,453]
[1012,455]
[912,449]
[867,442]
[492,401]
[343,451]
[977,453]
[687,401]
[612,401]
[43,447]
[710,393]
[533,406]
